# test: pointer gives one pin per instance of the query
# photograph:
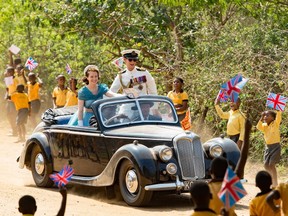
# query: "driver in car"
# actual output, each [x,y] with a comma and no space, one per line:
[145,109]
[109,115]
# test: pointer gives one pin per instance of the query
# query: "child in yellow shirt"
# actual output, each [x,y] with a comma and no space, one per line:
[59,92]
[269,124]
[34,96]
[236,121]
[200,195]
[22,105]
[11,89]
[258,205]
[281,192]
[72,93]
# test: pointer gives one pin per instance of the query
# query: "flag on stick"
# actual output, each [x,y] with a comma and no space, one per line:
[222,96]
[118,62]
[232,189]
[68,69]
[31,64]
[63,177]
[276,101]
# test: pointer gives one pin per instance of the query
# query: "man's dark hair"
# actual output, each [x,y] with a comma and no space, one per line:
[27,205]
[218,167]
[263,180]
[200,193]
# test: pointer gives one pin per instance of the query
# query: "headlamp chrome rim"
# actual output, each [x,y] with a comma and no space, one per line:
[216,151]
[165,153]
[171,168]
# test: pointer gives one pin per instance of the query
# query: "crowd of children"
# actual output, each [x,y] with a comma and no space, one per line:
[23,100]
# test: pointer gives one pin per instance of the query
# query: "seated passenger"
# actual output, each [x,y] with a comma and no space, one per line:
[145,109]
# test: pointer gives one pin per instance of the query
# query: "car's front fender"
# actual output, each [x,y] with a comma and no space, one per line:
[37,138]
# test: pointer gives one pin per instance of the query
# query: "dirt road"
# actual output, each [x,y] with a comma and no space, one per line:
[15,182]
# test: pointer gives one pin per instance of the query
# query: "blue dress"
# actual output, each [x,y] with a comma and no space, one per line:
[88,97]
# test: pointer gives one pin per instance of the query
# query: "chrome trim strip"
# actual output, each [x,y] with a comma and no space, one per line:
[66,131]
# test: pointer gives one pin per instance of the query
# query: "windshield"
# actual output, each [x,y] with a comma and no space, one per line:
[137,111]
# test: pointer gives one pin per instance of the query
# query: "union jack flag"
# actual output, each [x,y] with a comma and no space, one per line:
[232,189]
[231,89]
[63,177]
[68,69]
[222,96]
[119,62]
[276,101]
[31,64]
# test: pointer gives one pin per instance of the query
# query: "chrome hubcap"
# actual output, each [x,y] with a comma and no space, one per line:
[39,164]
[131,181]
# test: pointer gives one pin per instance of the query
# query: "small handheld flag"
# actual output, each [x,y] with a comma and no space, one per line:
[276,101]
[222,96]
[118,62]
[63,177]
[31,64]
[232,189]
[230,87]
[68,69]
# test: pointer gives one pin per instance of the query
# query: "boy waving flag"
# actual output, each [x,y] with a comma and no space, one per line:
[232,189]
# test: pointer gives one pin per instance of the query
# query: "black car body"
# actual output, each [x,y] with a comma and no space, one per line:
[121,147]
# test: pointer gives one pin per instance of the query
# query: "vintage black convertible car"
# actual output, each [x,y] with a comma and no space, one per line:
[136,144]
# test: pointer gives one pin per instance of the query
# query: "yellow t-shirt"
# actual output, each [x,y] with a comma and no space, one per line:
[20,79]
[215,203]
[259,207]
[20,100]
[283,190]
[71,98]
[204,213]
[272,131]
[60,96]
[236,121]
[33,91]
[12,87]
[178,98]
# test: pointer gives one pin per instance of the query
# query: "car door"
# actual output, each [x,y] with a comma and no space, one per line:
[82,147]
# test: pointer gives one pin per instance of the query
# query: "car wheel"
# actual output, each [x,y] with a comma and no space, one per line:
[40,168]
[131,186]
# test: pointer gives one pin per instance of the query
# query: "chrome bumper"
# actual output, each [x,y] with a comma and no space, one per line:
[177,186]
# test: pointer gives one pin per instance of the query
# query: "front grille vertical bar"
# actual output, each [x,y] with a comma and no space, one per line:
[190,156]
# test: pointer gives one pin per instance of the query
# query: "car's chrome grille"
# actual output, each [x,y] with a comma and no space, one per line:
[190,157]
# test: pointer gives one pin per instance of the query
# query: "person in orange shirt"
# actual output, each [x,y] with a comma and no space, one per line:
[22,105]
[34,96]
[72,93]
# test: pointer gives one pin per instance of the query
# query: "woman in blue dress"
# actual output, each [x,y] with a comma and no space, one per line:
[89,93]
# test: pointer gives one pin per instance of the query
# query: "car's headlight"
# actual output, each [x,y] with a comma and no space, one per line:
[171,168]
[165,153]
[216,151]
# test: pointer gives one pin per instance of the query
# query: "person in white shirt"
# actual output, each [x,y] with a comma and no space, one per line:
[133,77]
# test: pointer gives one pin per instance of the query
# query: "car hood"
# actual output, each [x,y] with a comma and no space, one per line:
[146,131]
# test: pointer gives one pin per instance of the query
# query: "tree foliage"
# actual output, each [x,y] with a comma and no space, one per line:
[204,42]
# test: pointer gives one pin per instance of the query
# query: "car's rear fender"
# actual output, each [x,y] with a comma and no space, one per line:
[41,140]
